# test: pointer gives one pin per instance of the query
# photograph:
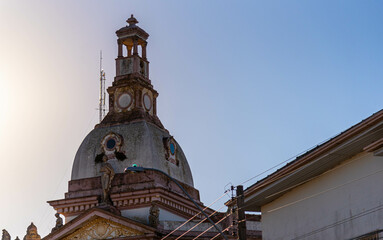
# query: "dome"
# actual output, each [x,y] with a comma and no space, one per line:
[141,143]
[131,132]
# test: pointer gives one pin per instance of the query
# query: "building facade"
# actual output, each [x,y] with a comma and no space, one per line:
[331,192]
[159,201]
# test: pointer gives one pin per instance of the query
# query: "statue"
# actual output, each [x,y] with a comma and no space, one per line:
[59,222]
[32,233]
[154,214]
[106,180]
[5,235]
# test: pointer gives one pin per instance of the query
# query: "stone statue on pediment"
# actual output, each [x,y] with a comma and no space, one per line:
[59,222]
[106,180]
[5,235]
[154,216]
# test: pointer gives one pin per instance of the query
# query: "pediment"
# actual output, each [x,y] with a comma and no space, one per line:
[101,228]
[100,224]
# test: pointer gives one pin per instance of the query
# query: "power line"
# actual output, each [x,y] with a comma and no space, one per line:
[200,222]
[212,226]
[43,218]
[284,175]
[194,216]
[361,214]
[324,191]
[222,231]
[333,169]
[289,159]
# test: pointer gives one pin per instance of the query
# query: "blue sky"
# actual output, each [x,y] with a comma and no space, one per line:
[243,85]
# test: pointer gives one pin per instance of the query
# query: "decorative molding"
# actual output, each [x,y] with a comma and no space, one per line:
[69,207]
[101,228]
[170,201]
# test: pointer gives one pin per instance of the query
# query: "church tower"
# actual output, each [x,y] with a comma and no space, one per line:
[131,132]
[156,199]
[132,96]
[100,193]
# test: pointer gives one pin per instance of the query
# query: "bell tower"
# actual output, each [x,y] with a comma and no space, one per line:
[131,39]
[131,96]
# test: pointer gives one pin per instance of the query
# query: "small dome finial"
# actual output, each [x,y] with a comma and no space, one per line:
[132,20]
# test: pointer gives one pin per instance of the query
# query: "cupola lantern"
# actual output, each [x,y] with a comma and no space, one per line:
[131,39]
[131,96]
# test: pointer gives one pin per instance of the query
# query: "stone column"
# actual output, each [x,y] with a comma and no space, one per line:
[135,47]
[155,105]
[119,48]
[144,50]
[138,95]
[129,48]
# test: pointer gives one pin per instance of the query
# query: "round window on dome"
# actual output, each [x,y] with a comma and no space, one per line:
[172,147]
[111,144]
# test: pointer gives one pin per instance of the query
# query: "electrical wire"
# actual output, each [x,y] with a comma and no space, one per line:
[284,175]
[194,216]
[324,191]
[307,180]
[200,222]
[222,231]
[361,214]
[289,159]
[42,221]
[212,226]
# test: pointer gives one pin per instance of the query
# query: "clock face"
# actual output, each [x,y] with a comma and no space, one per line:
[124,100]
[147,102]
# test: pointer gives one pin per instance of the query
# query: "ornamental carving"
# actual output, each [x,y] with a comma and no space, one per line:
[32,233]
[111,145]
[102,229]
[154,216]
[170,150]
[5,235]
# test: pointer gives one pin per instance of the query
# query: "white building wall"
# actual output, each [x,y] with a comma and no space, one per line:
[342,203]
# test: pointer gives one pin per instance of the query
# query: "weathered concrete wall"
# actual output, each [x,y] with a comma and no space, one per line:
[342,203]
[142,215]
[142,144]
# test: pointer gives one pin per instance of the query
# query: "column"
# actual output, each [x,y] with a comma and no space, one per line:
[144,50]
[119,48]
[135,47]
[129,48]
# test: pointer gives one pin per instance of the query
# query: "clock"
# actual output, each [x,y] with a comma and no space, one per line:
[124,100]
[147,102]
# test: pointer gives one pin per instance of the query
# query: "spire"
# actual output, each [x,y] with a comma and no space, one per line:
[131,96]
[132,20]
[32,233]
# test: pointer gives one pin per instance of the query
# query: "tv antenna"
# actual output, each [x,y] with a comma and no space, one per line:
[101,107]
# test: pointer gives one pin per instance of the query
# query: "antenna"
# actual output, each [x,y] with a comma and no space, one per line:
[102,91]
